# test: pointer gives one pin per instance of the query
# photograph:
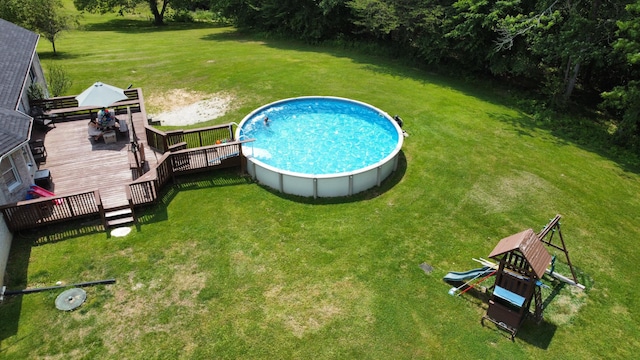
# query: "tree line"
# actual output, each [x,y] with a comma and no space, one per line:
[568,52]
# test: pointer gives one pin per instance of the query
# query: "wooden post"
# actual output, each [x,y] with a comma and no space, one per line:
[552,227]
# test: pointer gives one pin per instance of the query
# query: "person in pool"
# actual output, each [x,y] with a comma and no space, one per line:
[266,121]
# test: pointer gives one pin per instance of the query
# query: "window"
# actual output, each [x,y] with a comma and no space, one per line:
[9,173]
[25,156]
[32,74]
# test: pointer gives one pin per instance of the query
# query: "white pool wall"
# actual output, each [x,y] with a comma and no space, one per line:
[321,185]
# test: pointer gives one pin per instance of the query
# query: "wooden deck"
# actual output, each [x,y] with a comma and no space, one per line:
[78,163]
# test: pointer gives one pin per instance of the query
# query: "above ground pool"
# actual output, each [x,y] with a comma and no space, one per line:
[320,146]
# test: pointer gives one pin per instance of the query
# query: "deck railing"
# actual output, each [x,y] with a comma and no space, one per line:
[162,141]
[42,211]
[143,191]
[156,139]
[66,107]
[146,189]
[201,150]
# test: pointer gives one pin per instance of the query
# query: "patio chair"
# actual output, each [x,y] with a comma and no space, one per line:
[38,151]
[41,118]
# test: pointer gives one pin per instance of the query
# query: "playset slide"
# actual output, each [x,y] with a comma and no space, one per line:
[454,276]
[41,192]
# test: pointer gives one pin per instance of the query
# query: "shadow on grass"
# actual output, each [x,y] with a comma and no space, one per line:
[18,262]
[554,293]
[158,212]
[63,231]
[10,313]
[16,274]
[378,63]
[536,334]
[585,133]
[523,125]
[129,26]
[59,55]
[15,278]
[138,26]
[539,335]
[206,180]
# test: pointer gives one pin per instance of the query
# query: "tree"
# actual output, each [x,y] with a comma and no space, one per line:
[470,31]
[46,18]
[562,49]
[626,97]
[105,6]
[58,80]
[376,17]
[11,10]
[415,28]
[565,37]
[311,20]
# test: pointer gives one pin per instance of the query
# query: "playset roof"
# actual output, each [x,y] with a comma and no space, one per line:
[527,243]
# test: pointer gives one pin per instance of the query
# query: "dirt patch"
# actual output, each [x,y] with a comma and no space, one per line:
[307,308]
[161,305]
[185,107]
[566,305]
[501,194]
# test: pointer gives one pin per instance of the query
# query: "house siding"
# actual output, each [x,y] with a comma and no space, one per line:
[20,66]
[5,247]
[36,75]
[25,172]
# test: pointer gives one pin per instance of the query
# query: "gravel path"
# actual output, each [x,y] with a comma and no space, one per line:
[180,112]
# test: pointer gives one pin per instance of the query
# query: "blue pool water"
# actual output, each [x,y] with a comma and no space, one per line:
[319,135]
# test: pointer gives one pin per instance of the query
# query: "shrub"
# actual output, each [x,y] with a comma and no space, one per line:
[58,80]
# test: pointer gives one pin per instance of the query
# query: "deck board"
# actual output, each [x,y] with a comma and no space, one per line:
[80,164]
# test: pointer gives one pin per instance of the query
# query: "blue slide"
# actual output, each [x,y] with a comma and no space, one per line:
[467,275]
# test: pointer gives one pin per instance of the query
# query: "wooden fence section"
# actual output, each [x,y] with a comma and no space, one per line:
[143,191]
[202,136]
[163,141]
[196,156]
[42,211]
[146,189]
[156,139]
[66,107]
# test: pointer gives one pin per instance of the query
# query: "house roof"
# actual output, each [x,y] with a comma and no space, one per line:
[527,243]
[14,129]
[17,46]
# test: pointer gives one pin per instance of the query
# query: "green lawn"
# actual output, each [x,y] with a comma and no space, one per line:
[225,268]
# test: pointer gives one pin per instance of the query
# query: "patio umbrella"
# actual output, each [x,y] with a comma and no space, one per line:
[101,95]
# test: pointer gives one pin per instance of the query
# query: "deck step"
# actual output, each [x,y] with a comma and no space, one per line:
[120,221]
[120,215]
[117,213]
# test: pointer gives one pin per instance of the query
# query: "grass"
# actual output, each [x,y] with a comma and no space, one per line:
[224,268]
